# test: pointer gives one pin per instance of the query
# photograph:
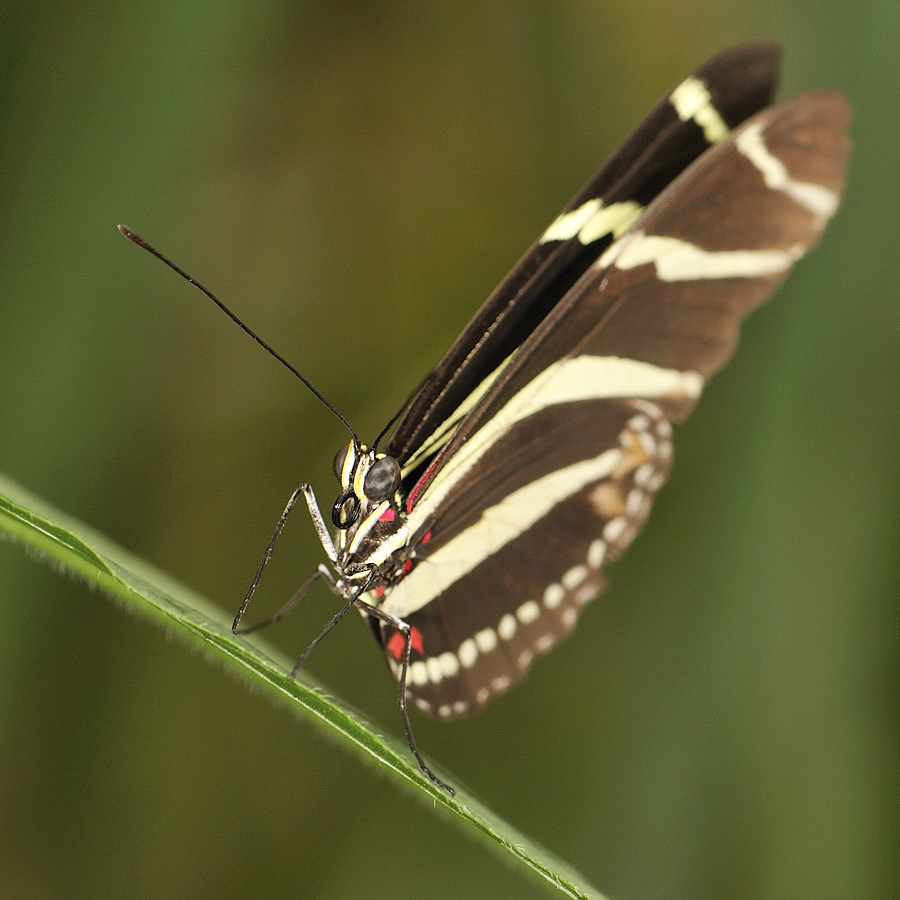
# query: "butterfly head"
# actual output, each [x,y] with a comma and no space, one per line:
[367,479]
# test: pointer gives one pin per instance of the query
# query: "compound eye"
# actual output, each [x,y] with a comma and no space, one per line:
[345,510]
[383,479]
[339,459]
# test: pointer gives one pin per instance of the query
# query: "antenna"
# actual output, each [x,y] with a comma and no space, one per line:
[137,239]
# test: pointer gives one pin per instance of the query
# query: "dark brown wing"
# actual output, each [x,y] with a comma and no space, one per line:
[739,83]
[554,469]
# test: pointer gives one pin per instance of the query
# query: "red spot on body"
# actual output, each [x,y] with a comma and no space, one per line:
[407,566]
[397,642]
[387,515]
[426,537]
[379,591]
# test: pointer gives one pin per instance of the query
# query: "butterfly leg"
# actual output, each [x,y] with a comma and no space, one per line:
[327,545]
[394,622]
[320,573]
[404,629]
[334,621]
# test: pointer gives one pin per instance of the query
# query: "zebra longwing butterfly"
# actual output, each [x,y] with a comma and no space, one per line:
[529,456]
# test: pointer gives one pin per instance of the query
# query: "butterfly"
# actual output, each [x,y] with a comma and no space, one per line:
[473,531]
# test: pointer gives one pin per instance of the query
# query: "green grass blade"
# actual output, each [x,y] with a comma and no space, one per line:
[96,559]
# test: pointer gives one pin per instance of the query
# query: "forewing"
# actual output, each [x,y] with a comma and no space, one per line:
[699,111]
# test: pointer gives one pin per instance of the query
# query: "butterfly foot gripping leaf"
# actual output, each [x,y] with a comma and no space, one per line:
[530,455]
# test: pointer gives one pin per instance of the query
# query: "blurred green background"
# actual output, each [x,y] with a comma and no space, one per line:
[354,179]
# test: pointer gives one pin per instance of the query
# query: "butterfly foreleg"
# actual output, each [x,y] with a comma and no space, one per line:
[322,572]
